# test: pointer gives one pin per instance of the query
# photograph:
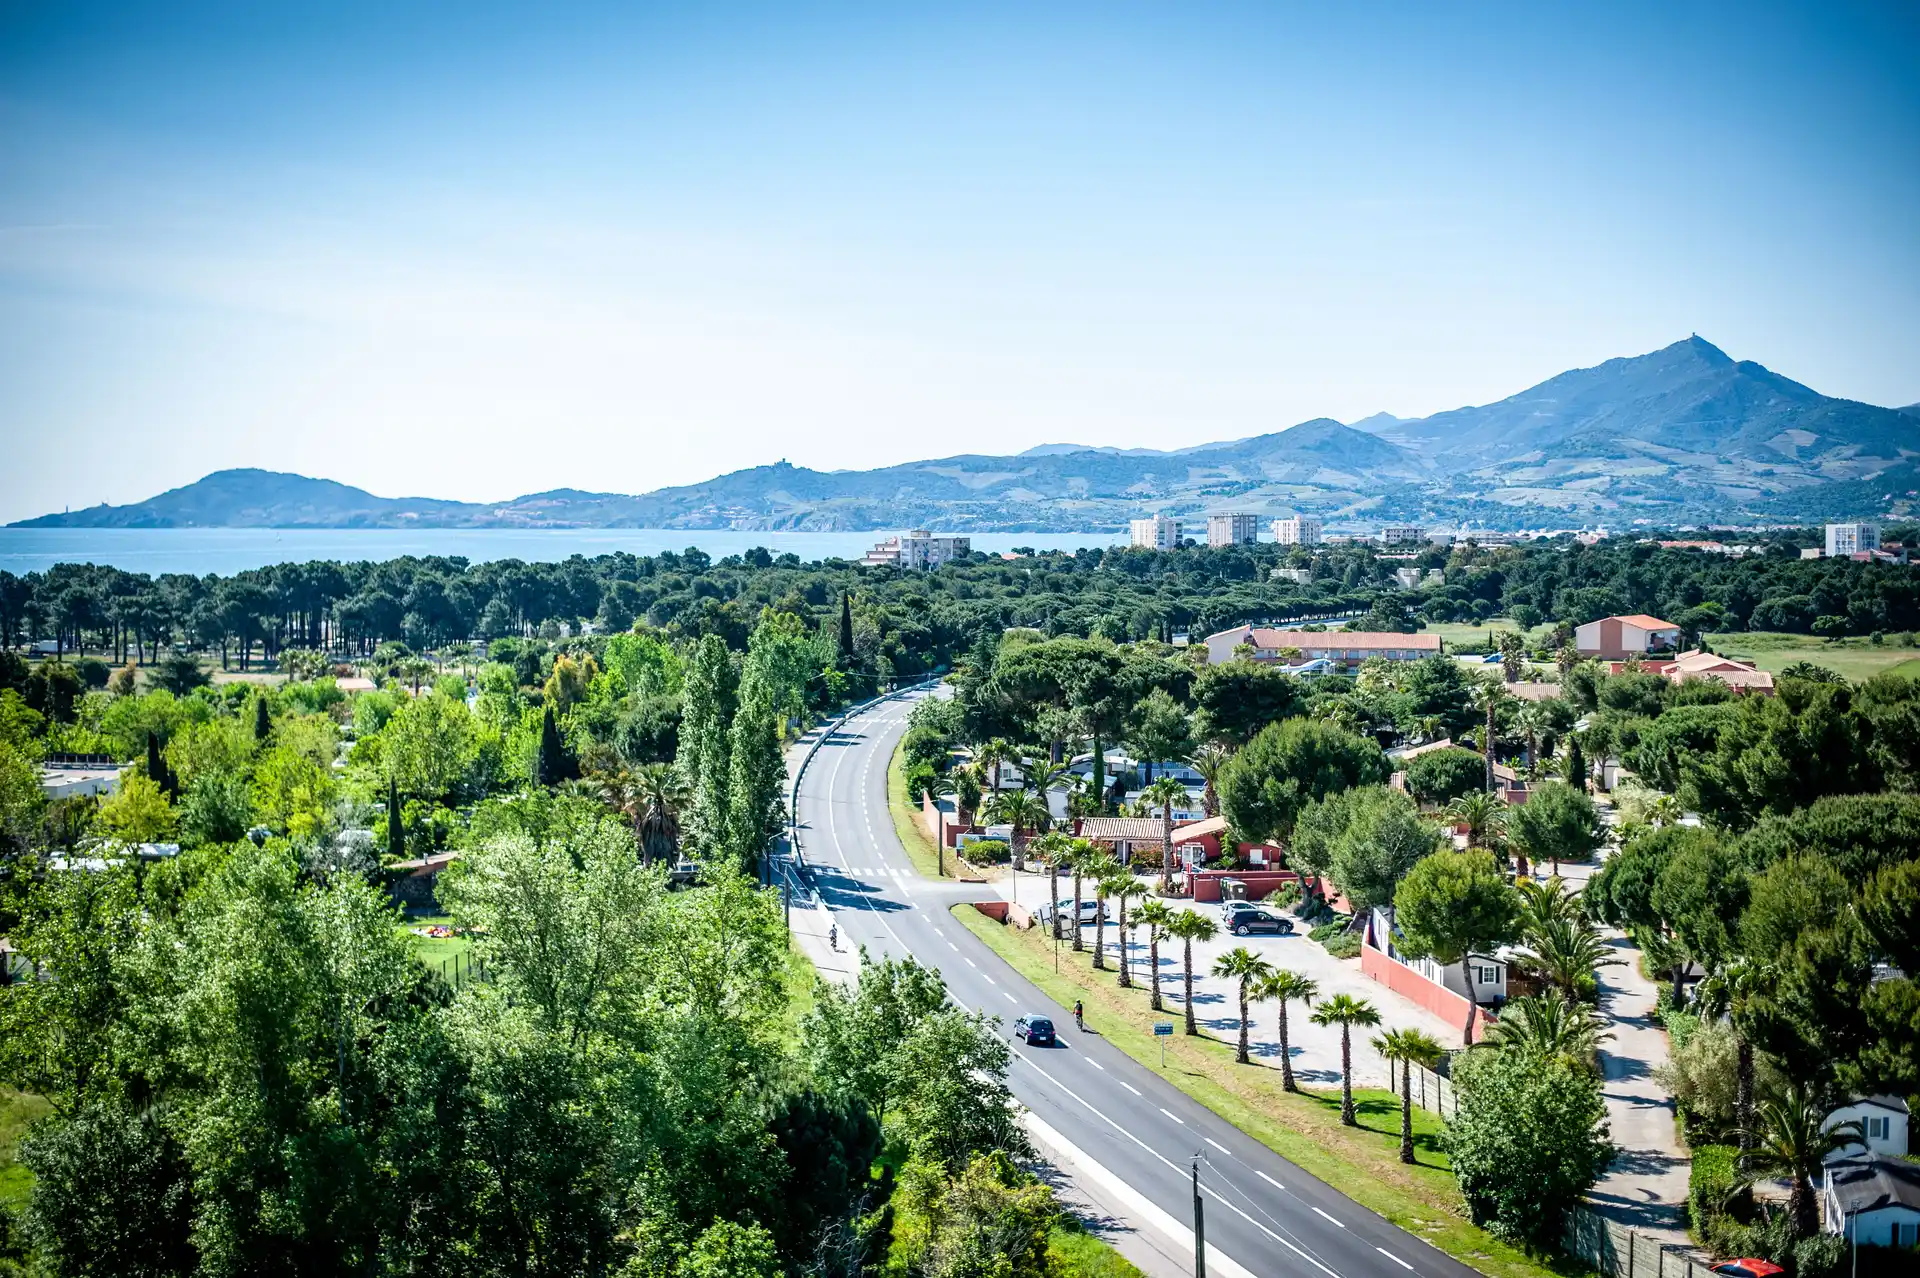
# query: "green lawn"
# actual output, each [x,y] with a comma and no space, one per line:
[1303,1128]
[1855,658]
[442,954]
[1473,634]
[18,1112]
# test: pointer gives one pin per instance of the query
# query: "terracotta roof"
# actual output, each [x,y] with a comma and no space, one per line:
[1121,828]
[1200,829]
[1645,622]
[1338,639]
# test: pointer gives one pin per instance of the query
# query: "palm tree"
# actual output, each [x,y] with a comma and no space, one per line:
[1285,987]
[1567,951]
[1104,871]
[1163,794]
[1485,816]
[1190,926]
[1791,1138]
[1346,1011]
[1409,1047]
[1081,857]
[1732,992]
[1208,760]
[660,795]
[1551,1027]
[1489,695]
[1155,916]
[988,757]
[1023,810]
[1243,965]
[1053,847]
[1120,886]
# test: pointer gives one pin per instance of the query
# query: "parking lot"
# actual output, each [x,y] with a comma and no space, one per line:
[1316,1050]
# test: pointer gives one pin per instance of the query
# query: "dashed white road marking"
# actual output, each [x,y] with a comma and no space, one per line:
[1270,1180]
[1129,1086]
[1175,1117]
[1395,1259]
[1096,1064]
[1217,1145]
[1324,1216]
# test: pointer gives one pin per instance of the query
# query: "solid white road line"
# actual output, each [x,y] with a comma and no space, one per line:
[1217,1145]
[1395,1259]
[1324,1216]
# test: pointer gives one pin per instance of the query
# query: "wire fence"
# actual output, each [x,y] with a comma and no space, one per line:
[458,970]
[1616,1251]
[1428,1090]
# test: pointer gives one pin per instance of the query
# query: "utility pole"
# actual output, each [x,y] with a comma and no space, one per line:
[1199,1227]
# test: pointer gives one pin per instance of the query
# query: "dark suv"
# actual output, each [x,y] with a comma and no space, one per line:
[1037,1030]
[1246,921]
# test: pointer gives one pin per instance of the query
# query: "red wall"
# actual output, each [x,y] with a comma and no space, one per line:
[1407,983]
[1206,883]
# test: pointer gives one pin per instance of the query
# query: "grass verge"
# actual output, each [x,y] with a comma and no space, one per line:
[1855,658]
[18,1112]
[1072,1252]
[921,849]
[1304,1128]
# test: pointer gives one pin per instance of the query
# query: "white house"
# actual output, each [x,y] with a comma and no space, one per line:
[1872,1200]
[1482,977]
[1882,1118]
[1618,638]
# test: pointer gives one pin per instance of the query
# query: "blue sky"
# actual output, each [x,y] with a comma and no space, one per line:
[478,250]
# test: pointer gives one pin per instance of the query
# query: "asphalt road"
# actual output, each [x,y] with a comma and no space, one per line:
[1132,1131]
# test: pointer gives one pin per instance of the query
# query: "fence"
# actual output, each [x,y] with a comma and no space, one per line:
[460,969]
[1616,1251]
[1429,1091]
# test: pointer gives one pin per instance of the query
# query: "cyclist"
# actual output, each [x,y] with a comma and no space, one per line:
[1079,1020]
[833,937]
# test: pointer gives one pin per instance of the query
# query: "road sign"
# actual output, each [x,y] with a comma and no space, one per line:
[1162,1028]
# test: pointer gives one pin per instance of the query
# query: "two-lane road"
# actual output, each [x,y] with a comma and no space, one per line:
[1135,1133]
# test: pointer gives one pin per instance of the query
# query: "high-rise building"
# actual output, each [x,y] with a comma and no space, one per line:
[1407,536]
[1301,530]
[1852,539]
[1160,532]
[918,549]
[1233,528]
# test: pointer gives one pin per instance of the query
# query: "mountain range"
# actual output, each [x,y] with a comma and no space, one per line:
[1684,434]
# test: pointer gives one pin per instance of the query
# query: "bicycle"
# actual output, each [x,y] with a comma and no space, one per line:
[1079,1020]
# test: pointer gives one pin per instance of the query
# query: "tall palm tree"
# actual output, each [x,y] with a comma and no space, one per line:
[1243,965]
[1284,987]
[1489,695]
[1551,1027]
[1120,886]
[1154,916]
[1791,1138]
[1567,951]
[1053,847]
[1023,810]
[1104,871]
[987,757]
[1163,794]
[1732,991]
[1191,926]
[1346,1011]
[1081,858]
[1408,1047]
[1208,760]
[1485,816]
[660,796]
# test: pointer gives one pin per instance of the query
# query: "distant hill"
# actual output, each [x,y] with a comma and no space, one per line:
[1683,434]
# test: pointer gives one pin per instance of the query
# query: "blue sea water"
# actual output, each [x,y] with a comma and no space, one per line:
[230,550]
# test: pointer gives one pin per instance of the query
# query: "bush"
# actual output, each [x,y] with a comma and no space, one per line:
[988,852]
[1441,776]
[1710,1183]
[1344,946]
[1330,929]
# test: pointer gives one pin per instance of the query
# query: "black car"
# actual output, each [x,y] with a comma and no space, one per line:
[1246,921]
[1037,1030]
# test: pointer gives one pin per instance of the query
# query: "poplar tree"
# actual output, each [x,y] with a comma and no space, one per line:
[755,770]
[396,828]
[705,755]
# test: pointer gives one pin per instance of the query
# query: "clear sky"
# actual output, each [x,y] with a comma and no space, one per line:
[472,250]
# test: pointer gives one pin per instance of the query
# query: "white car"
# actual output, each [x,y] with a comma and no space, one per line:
[1090,910]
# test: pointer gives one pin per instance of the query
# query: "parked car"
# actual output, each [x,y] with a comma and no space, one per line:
[1749,1268]
[1090,910]
[1036,1030]
[1244,922]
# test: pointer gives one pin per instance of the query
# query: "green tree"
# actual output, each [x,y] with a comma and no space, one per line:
[1557,823]
[1365,840]
[1407,1048]
[1551,1027]
[1346,1011]
[396,823]
[1288,765]
[1441,776]
[1528,1139]
[1189,926]
[556,762]
[1453,905]
[1156,916]
[706,718]
[1158,731]
[1237,699]
[1246,969]
[137,811]
[1792,1139]
[1282,987]
[756,772]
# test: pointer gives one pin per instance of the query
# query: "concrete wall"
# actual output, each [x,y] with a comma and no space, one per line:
[1206,883]
[1409,984]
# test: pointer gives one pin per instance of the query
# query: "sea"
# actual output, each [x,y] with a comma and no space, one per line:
[230,550]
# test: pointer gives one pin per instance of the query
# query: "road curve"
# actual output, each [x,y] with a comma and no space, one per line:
[1263,1215]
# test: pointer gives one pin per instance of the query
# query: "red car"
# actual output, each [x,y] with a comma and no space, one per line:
[1748,1268]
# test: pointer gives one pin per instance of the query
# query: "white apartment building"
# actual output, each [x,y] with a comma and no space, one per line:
[1852,539]
[1233,528]
[1301,530]
[1409,536]
[918,549]
[1161,532]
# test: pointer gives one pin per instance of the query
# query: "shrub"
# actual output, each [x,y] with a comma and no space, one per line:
[1710,1182]
[988,852]
[1330,929]
[1344,946]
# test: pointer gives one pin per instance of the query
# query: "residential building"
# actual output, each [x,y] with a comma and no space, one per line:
[1301,530]
[1852,539]
[1340,648]
[1160,532]
[1454,992]
[1233,528]
[1127,836]
[74,776]
[1411,535]
[1617,638]
[1741,676]
[1872,1200]
[1299,576]
[1413,578]
[1882,1119]
[919,550]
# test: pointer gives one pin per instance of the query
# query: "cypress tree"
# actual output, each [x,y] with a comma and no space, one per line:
[262,719]
[846,628]
[396,826]
[1576,773]
[556,765]
[157,768]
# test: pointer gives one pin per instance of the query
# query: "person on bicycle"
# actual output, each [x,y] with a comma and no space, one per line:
[833,937]
[1079,1019]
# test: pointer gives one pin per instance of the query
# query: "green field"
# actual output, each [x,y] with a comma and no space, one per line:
[1854,658]
[1473,634]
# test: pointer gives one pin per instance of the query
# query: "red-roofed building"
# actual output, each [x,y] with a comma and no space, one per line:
[1617,638]
[1741,676]
[1341,647]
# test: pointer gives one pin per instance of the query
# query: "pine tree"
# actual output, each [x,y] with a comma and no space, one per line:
[556,763]
[846,629]
[396,826]
[705,758]
[755,771]
[1576,773]
[262,719]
